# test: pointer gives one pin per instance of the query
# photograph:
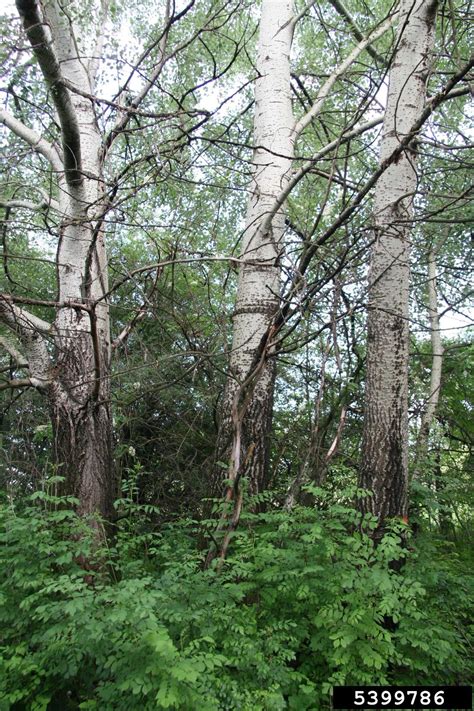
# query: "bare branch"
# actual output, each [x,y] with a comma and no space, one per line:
[344,12]
[18,357]
[29,205]
[20,383]
[137,317]
[335,443]
[37,142]
[303,12]
[125,332]
[169,262]
[325,90]
[65,304]
[130,110]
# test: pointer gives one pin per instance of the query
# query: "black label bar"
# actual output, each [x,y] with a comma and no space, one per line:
[402,697]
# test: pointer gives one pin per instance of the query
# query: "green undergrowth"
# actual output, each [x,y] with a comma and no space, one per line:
[303,602]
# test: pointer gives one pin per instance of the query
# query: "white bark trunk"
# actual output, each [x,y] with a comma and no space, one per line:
[259,283]
[384,468]
[259,280]
[78,386]
[437,360]
[80,394]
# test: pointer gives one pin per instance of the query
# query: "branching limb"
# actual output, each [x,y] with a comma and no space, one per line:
[431,106]
[326,89]
[42,44]
[162,58]
[358,34]
[19,358]
[403,145]
[271,341]
[37,142]
[309,164]
[31,331]
[17,318]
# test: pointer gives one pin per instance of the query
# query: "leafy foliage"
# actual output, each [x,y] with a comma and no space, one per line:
[305,601]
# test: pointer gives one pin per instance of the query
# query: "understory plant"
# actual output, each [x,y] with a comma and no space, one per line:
[304,601]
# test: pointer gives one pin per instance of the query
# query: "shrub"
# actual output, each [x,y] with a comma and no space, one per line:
[305,601]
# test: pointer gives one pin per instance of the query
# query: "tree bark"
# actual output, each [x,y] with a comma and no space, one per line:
[384,467]
[437,361]
[79,373]
[258,291]
[258,302]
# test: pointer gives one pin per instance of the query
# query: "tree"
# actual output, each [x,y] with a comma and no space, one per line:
[76,380]
[248,401]
[69,358]
[384,468]
[260,308]
[154,151]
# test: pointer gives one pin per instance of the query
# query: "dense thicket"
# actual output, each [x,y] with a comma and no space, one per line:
[303,603]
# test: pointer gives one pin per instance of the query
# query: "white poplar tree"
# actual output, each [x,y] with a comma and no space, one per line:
[384,466]
[258,291]
[248,400]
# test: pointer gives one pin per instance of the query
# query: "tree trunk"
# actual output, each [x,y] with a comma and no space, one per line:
[258,298]
[437,361]
[82,424]
[384,468]
[78,377]
[258,292]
